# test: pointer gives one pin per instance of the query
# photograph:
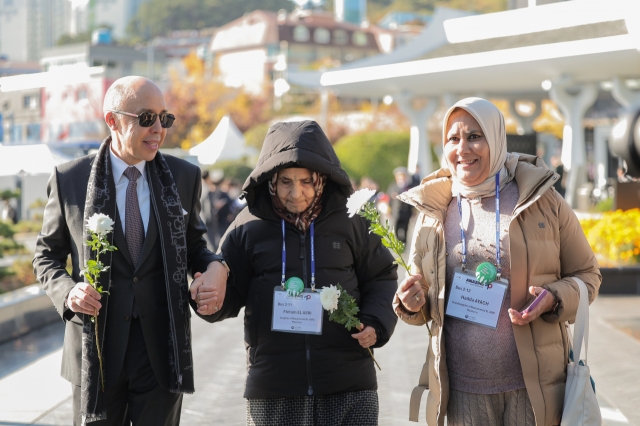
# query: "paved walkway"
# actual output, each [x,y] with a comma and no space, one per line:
[31,391]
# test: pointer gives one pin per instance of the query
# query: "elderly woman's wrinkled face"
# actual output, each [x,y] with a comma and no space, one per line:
[467,149]
[295,189]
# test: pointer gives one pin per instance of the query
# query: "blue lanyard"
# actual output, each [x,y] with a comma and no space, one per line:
[313,257]
[463,235]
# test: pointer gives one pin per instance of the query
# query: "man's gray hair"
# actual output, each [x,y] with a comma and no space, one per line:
[121,91]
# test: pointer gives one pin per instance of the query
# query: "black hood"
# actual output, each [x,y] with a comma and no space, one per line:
[298,144]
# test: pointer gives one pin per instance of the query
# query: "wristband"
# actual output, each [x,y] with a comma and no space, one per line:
[556,304]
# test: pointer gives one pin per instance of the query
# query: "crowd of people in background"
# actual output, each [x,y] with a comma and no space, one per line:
[221,203]
[397,213]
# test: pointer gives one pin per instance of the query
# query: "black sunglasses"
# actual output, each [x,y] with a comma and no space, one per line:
[146,119]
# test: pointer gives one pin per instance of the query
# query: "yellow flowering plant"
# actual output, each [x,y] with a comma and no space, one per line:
[615,237]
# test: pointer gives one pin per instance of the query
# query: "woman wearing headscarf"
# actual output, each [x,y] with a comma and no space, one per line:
[496,213]
[295,231]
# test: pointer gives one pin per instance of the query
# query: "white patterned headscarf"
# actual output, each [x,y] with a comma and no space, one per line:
[491,121]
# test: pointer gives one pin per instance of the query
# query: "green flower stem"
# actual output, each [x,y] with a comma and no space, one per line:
[389,240]
[93,268]
[95,321]
[345,314]
[374,359]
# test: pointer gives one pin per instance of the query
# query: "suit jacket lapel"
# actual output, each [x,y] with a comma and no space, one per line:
[118,238]
[150,238]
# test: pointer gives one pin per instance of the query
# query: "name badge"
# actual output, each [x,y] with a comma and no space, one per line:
[470,300]
[296,314]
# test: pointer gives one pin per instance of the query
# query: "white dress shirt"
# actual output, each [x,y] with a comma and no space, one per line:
[118,167]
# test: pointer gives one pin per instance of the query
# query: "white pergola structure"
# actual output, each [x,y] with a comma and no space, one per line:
[566,49]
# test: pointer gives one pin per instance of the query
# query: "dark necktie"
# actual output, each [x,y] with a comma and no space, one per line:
[134,228]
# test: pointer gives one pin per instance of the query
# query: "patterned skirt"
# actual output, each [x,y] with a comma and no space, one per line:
[342,409]
[501,409]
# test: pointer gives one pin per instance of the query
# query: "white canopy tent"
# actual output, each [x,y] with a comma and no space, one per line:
[225,143]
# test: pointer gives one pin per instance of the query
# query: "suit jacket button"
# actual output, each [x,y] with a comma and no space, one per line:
[127,317]
[135,279]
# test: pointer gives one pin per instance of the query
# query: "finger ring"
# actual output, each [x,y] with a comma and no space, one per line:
[198,297]
[215,308]
[418,299]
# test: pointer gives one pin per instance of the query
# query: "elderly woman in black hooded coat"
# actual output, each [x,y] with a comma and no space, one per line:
[296,218]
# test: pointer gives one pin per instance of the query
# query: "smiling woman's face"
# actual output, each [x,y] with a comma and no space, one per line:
[467,149]
[295,189]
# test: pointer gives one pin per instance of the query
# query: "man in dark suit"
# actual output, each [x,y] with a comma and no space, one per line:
[144,319]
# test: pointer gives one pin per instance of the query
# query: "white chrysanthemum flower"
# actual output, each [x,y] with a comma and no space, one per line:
[329,298]
[100,224]
[358,199]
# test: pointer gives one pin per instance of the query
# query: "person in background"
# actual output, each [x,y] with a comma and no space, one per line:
[8,212]
[207,213]
[558,167]
[368,183]
[221,208]
[509,369]
[416,177]
[400,212]
[234,190]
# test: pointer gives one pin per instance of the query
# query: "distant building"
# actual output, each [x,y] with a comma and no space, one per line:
[74,111]
[20,111]
[252,49]
[406,25]
[28,27]
[179,44]
[115,13]
[353,11]
[118,60]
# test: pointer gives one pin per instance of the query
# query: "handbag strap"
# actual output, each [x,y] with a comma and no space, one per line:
[416,393]
[581,327]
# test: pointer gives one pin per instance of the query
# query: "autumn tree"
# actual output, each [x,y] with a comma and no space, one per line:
[199,100]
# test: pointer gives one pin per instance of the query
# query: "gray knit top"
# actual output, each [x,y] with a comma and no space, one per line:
[480,359]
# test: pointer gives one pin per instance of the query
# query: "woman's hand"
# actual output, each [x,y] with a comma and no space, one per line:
[545,304]
[209,289]
[411,294]
[367,336]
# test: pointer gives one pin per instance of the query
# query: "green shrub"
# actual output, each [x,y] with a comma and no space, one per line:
[7,244]
[604,205]
[234,169]
[255,135]
[374,154]
[27,226]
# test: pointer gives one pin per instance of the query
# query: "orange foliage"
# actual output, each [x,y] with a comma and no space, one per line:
[199,100]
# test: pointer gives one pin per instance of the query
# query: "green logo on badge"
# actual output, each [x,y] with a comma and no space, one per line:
[294,286]
[486,273]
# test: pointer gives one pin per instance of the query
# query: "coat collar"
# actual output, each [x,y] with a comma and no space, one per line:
[433,195]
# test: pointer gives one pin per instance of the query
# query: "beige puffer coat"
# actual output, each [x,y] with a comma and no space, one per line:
[547,247]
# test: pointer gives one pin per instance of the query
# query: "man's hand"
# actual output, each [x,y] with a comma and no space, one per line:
[209,289]
[367,336]
[411,294]
[84,299]
[545,304]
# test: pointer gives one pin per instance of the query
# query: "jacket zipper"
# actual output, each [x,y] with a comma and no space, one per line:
[307,340]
